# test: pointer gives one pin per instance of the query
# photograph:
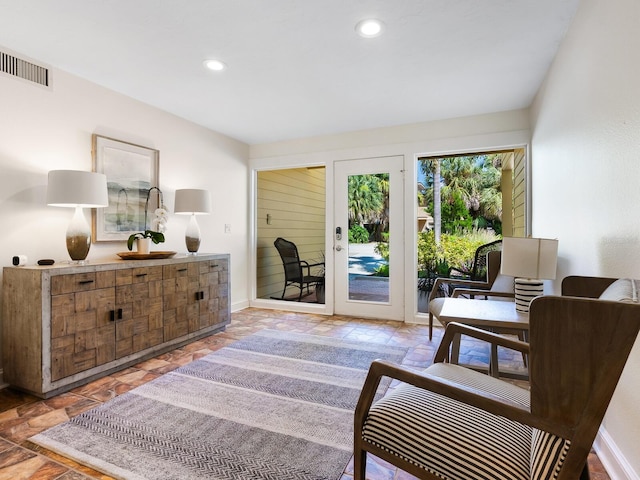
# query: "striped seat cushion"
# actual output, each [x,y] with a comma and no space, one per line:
[548,453]
[451,439]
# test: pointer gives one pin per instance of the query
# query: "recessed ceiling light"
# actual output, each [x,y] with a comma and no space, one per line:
[370,28]
[215,65]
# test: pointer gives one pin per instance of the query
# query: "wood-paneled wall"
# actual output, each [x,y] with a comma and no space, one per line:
[291,205]
[519,194]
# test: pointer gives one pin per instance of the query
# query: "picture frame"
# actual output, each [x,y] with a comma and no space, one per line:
[132,173]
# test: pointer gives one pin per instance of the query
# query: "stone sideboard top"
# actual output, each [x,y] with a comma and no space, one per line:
[66,267]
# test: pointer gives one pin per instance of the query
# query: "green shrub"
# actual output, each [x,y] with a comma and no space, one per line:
[455,215]
[358,234]
[382,249]
[455,250]
[382,270]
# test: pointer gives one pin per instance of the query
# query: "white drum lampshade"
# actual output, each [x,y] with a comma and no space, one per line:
[77,189]
[530,261]
[192,201]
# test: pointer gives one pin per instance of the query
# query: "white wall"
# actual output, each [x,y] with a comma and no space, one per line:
[586,176]
[42,130]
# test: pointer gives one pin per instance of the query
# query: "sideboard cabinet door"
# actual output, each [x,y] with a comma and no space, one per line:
[81,335]
[214,302]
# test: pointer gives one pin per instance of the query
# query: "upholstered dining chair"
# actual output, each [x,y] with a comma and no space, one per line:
[297,272]
[449,422]
[495,285]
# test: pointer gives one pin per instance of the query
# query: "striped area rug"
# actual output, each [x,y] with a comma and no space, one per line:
[271,406]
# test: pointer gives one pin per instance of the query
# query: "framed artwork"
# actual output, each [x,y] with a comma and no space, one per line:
[132,178]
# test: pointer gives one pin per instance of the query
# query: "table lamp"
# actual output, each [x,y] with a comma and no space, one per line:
[77,189]
[530,261]
[192,201]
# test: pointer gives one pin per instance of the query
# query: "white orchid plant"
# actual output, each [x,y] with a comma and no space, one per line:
[158,223]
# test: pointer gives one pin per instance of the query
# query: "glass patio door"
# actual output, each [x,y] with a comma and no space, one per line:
[367,246]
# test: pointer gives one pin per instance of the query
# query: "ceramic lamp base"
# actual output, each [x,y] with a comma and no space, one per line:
[192,236]
[78,237]
[526,289]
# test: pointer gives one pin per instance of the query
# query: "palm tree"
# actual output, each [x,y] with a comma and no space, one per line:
[437,201]
[473,178]
[491,196]
[431,169]
[381,219]
[365,199]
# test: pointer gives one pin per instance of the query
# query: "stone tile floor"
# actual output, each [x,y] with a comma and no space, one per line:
[22,415]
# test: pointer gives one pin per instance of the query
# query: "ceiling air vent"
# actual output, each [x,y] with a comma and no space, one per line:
[24,69]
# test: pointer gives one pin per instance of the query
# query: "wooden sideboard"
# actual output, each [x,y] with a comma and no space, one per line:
[64,325]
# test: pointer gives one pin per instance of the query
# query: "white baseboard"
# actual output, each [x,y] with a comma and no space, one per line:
[612,459]
[239,306]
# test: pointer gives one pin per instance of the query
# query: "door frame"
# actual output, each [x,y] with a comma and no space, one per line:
[252,264]
[342,304]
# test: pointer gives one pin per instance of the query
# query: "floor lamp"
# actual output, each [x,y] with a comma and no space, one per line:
[530,261]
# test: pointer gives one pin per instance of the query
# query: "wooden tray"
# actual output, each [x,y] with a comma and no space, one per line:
[145,256]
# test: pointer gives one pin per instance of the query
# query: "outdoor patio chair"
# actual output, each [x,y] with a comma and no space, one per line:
[494,285]
[297,272]
[452,422]
[478,270]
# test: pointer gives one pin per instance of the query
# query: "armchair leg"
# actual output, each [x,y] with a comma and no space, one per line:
[359,464]
[522,336]
[585,472]
[430,325]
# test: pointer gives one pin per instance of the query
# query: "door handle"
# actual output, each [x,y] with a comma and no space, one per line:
[338,248]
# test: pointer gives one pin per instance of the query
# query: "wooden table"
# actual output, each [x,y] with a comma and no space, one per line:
[493,315]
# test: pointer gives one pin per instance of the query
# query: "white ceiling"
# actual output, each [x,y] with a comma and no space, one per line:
[296,68]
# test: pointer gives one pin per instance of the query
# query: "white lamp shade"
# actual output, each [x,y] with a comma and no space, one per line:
[529,257]
[192,201]
[76,188]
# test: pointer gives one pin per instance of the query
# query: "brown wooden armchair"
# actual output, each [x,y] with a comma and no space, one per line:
[451,422]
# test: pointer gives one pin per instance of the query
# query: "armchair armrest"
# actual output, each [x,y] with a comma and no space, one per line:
[471,396]
[465,274]
[466,283]
[478,291]
[455,328]
[307,265]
